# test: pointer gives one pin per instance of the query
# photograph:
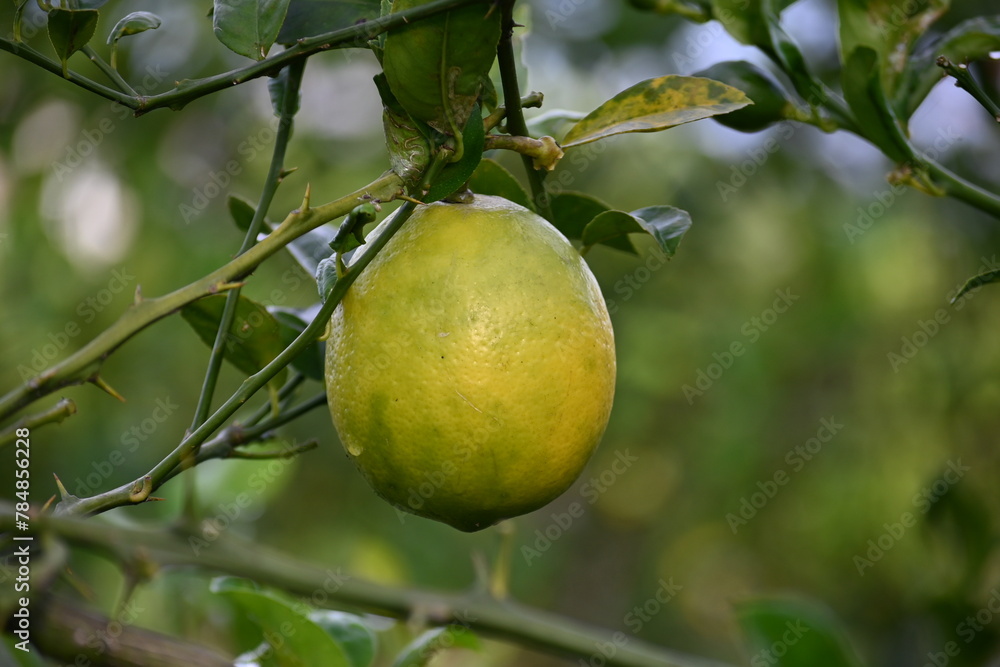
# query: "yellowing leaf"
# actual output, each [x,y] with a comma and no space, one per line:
[656,104]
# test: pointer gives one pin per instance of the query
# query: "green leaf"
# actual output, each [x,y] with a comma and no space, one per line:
[293,321]
[771,101]
[254,339]
[789,57]
[976,282]
[407,140]
[70,30]
[276,87]
[607,226]
[248,27]
[968,41]
[386,95]
[489,95]
[666,224]
[654,105]
[573,211]
[302,643]
[553,122]
[312,248]
[409,150]
[133,24]
[757,22]
[456,174]
[326,276]
[307,18]
[491,178]
[887,27]
[795,633]
[436,66]
[241,211]
[864,94]
[420,651]
[350,233]
[355,638]
[743,19]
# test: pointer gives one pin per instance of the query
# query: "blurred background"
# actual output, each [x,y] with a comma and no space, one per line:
[861,393]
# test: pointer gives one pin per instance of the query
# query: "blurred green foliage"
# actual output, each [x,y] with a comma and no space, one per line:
[776,439]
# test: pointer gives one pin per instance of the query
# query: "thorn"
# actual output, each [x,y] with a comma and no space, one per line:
[104,386]
[138,295]
[63,493]
[225,287]
[48,504]
[286,172]
[410,199]
[304,208]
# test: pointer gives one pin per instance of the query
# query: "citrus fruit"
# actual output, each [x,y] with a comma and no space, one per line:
[470,369]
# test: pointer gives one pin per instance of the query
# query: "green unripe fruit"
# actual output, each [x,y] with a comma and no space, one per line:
[770,100]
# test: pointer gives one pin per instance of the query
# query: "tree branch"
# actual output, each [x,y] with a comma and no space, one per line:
[139,490]
[22,50]
[62,410]
[186,91]
[964,80]
[68,632]
[512,102]
[226,443]
[228,554]
[109,71]
[288,107]
[961,189]
[83,365]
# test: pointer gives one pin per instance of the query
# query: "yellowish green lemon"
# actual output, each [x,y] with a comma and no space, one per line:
[470,369]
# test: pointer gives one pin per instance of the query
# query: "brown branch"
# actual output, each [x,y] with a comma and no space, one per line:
[75,635]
